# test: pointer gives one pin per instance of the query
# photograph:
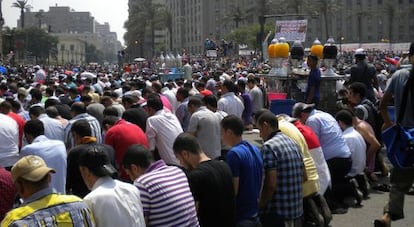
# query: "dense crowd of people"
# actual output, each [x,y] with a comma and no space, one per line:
[92,146]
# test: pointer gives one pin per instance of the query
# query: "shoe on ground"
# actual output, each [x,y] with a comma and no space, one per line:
[339,210]
[380,223]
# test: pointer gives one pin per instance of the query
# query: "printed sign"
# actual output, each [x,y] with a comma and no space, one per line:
[291,30]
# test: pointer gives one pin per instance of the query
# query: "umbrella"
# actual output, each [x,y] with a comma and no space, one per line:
[88,75]
[3,69]
[139,59]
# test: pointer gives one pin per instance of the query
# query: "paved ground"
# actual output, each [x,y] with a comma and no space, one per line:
[372,208]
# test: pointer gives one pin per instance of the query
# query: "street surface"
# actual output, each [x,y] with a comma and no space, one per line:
[372,208]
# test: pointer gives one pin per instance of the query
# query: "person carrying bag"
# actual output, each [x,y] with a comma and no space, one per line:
[399,140]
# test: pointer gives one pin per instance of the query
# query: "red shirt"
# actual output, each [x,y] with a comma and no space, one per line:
[121,136]
[8,192]
[206,92]
[310,136]
[20,123]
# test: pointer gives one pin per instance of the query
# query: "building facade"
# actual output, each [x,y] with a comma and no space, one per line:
[75,30]
[348,21]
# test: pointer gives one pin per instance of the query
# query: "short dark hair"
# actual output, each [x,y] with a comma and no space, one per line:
[128,99]
[6,105]
[210,100]
[52,112]
[82,128]
[78,107]
[34,128]
[154,101]
[313,57]
[229,85]
[345,116]
[110,120]
[111,111]
[35,93]
[183,92]
[187,142]
[51,102]
[269,118]
[97,161]
[36,110]
[258,113]
[86,98]
[138,155]
[195,100]
[233,123]
[358,88]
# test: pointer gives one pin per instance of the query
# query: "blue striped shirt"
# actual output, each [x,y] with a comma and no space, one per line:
[166,196]
[93,122]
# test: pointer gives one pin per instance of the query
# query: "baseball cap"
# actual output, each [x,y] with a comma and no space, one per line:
[32,168]
[300,107]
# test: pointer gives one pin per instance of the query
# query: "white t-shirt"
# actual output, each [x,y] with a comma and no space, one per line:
[358,148]
[162,129]
[9,141]
[115,203]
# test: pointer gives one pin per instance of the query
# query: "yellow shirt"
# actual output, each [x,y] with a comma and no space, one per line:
[311,185]
[53,210]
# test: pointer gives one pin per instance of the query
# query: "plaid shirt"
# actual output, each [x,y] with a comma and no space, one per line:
[282,154]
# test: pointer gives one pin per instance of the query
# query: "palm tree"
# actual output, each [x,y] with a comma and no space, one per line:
[22,5]
[236,16]
[328,8]
[149,12]
[39,15]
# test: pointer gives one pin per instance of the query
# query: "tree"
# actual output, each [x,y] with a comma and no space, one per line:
[143,16]
[40,44]
[328,8]
[92,54]
[22,5]
[248,34]
[237,16]
[168,20]
[39,15]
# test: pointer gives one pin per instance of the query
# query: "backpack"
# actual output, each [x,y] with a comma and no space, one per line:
[368,112]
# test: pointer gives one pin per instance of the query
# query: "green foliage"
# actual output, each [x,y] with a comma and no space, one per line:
[143,17]
[35,42]
[22,5]
[92,54]
[248,34]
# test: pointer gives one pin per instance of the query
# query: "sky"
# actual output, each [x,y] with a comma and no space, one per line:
[115,12]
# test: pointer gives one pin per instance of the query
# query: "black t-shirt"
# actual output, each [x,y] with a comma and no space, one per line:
[212,186]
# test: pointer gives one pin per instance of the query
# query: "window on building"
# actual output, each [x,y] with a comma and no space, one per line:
[72,47]
[62,47]
[401,1]
[379,2]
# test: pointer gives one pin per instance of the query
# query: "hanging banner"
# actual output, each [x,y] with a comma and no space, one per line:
[291,30]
